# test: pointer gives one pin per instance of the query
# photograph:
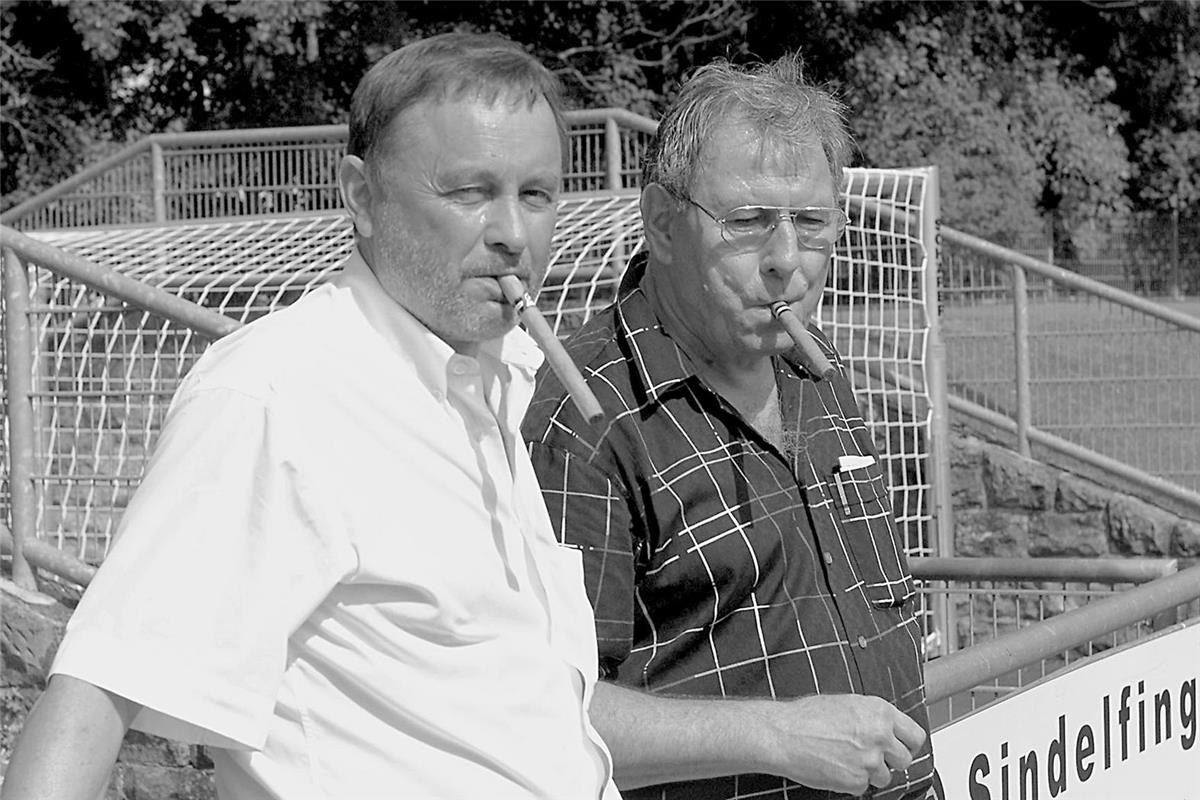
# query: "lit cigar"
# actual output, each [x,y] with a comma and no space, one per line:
[812,357]
[556,356]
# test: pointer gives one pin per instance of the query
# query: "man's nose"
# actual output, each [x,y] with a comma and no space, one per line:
[505,226]
[783,253]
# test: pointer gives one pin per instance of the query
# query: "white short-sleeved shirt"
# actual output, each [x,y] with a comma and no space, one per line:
[338,570]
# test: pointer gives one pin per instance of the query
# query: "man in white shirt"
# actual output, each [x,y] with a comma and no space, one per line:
[338,572]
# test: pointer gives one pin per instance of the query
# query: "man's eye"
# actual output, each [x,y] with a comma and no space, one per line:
[810,222]
[538,198]
[469,194]
[748,221]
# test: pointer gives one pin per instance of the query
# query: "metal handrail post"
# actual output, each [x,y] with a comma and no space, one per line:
[1059,570]
[158,182]
[1021,350]
[122,287]
[18,344]
[612,154]
[939,415]
[49,558]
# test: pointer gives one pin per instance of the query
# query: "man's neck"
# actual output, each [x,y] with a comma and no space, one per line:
[371,258]
[748,384]
[756,398]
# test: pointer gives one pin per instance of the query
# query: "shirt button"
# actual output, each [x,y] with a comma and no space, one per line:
[439,396]
[829,558]
[862,642]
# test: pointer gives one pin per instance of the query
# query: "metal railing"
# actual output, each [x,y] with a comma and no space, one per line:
[214,174]
[991,599]
[1013,657]
[1072,364]
[991,596]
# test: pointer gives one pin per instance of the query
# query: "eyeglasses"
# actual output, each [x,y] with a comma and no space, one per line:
[750,227]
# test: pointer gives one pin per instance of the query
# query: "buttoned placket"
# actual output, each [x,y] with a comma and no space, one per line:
[465,387]
[478,396]
[482,406]
[825,536]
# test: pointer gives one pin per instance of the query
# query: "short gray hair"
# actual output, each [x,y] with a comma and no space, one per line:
[775,98]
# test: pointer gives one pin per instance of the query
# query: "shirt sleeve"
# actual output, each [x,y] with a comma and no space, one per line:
[222,553]
[588,509]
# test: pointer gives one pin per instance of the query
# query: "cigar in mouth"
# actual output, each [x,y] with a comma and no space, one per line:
[810,355]
[556,355]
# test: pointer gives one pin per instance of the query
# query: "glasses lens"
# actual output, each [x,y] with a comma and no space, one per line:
[752,226]
[819,227]
[749,222]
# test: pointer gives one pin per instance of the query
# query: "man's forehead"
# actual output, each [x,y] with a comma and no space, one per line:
[445,141]
[740,146]
[736,165]
[507,101]
[447,123]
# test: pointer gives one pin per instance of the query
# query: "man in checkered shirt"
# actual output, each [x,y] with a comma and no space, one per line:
[754,610]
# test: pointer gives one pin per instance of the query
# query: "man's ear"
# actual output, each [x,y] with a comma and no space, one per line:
[356,194]
[659,208]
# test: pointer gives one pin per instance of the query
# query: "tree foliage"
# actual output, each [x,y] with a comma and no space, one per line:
[1020,128]
[1075,111]
[920,99]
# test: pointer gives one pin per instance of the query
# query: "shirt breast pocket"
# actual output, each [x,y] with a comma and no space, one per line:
[868,531]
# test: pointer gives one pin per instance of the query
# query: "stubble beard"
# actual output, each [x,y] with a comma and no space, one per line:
[421,279]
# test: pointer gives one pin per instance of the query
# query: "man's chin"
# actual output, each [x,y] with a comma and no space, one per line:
[493,323]
[481,324]
[776,347]
[753,347]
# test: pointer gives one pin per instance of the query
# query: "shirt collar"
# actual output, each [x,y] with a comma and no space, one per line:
[659,363]
[429,352]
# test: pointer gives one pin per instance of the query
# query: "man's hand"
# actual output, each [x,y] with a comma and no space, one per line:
[841,742]
[844,743]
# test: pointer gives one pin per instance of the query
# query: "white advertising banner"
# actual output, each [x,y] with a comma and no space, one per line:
[1120,725]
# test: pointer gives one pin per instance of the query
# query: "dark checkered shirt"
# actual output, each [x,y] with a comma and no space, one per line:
[718,565]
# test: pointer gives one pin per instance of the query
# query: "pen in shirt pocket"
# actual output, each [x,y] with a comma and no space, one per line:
[848,463]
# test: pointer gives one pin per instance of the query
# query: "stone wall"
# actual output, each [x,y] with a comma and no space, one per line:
[1012,507]
[148,767]
[1004,505]
[1009,506]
